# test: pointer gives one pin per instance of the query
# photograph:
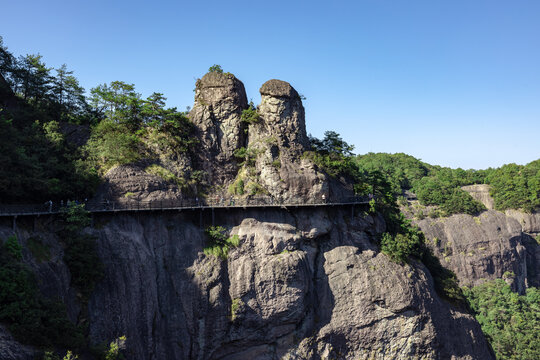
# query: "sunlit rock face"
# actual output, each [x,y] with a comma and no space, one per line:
[489,246]
[220,99]
[282,115]
[279,141]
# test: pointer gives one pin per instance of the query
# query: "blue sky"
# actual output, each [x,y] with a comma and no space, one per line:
[454,83]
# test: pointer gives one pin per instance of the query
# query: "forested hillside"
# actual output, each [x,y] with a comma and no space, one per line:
[56,140]
[512,186]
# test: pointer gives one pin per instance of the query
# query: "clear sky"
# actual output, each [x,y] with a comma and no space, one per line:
[454,83]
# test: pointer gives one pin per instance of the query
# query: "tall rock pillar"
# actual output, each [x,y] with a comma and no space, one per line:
[219,101]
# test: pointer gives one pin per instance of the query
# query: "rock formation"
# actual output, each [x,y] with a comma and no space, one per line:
[480,192]
[278,141]
[489,246]
[220,99]
[10,349]
[301,285]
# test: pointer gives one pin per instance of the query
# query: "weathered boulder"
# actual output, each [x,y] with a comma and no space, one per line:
[131,182]
[530,222]
[220,99]
[283,119]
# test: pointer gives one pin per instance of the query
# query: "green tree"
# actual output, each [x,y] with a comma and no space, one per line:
[216,69]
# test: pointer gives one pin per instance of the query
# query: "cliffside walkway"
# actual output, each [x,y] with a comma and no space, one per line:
[184,204]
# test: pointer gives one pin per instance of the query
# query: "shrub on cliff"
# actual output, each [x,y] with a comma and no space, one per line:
[407,242]
[333,155]
[219,242]
[134,128]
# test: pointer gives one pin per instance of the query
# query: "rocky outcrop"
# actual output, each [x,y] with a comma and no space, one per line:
[530,222]
[489,246]
[301,285]
[132,182]
[278,141]
[480,192]
[220,99]
[282,115]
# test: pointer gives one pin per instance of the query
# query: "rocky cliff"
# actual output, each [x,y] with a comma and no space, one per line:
[488,246]
[302,284]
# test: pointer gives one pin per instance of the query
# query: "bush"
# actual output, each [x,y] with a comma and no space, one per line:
[445,281]
[250,115]
[215,69]
[113,144]
[408,242]
[219,242]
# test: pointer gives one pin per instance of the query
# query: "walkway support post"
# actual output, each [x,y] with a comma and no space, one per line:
[200,218]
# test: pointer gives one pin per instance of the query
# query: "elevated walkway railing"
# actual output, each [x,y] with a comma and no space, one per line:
[178,204]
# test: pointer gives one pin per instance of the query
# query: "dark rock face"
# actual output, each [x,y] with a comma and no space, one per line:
[219,102]
[13,350]
[301,285]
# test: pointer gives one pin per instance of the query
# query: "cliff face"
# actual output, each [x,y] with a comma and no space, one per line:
[489,246]
[301,285]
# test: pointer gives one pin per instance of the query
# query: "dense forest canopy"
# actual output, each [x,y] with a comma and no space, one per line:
[510,321]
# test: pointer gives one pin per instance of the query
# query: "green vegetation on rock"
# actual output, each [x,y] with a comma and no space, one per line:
[516,186]
[219,243]
[250,115]
[134,128]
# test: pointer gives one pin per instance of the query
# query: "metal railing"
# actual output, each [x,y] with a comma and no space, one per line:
[186,203]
